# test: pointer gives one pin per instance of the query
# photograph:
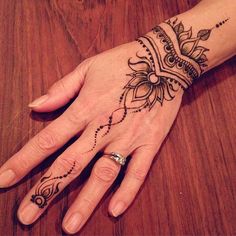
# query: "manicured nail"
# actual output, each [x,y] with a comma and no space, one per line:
[72,225]
[118,209]
[6,178]
[28,214]
[39,101]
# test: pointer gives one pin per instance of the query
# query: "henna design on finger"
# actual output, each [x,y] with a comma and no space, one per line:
[47,188]
[170,59]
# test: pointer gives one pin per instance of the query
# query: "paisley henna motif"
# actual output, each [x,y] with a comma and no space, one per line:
[47,188]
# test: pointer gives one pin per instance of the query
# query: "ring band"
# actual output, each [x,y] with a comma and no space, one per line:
[117,157]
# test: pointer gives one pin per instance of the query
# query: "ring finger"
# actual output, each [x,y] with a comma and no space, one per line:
[103,175]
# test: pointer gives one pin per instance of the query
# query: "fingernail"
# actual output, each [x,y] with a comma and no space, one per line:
[73,224]
[28,214]
[118,209]
[39,101]
[6,178]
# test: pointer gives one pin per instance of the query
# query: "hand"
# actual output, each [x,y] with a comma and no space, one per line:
[123,105]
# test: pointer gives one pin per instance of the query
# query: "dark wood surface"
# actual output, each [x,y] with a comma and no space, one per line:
[191,188]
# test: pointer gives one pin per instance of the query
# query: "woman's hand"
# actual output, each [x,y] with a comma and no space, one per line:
[127,100]
[124,104]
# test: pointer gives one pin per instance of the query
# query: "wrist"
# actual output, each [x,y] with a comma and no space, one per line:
[182,51]
[169,54]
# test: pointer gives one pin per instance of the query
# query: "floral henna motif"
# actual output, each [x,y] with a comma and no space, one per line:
[47,188]
[189,44]
[170,59]
[146,86]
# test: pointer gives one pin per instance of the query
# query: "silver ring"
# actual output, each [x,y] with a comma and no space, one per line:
[117,157]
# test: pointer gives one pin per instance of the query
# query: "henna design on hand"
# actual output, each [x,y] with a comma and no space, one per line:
[47,188]
[170,59]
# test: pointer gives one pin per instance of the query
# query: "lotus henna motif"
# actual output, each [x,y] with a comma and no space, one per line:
[146,85]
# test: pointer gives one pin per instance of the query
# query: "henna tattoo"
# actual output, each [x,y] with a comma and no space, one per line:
[47,188]
[189,44]
[170,58]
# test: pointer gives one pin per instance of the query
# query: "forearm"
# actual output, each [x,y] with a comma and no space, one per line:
[191,43]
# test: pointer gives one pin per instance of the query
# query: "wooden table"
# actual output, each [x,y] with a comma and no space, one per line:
[191,188]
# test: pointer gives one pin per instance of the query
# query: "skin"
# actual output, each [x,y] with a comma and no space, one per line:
[140,135]
[129,138]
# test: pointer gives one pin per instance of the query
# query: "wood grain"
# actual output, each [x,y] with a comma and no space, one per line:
[191,188]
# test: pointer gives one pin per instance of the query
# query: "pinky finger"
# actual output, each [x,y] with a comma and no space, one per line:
[136,173]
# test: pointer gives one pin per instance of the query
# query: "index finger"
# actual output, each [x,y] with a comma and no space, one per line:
[46,142]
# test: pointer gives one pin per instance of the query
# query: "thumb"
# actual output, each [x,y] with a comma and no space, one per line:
[61,92]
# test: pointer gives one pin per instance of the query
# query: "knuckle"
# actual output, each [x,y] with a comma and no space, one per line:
[58,86]
[137,174]
[88,202]
[65,163]
[104,172]
[45,140]
[82,67]
[61,85]
[74,115]
[103,118]
[25,165]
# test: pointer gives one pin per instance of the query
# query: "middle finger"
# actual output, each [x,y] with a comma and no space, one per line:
[66,168]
